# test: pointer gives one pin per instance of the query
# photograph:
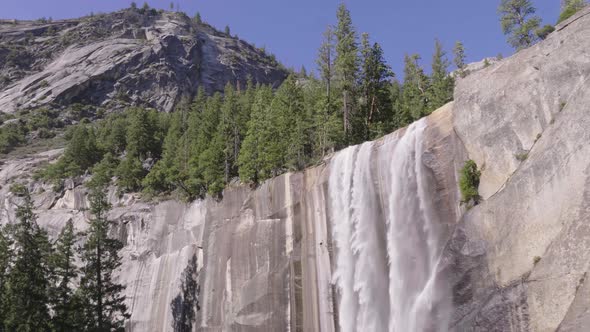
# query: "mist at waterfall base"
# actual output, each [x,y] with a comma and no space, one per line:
[387,238]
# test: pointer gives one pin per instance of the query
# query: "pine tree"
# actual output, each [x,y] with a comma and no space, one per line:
[375,118]
[252,155]
[441,83]
[245,100]
[203,129]
[518,22]
[197,18]
[459,59]
[112,134]
[211,165]
[82,151]
[346,64]
[63,299]
[229,132]
[142,134]
[325,60]
[144,140]
[103,172]
[320,114]
[292,140]
[399,119]
[130,173]
[6,255]
[328,126]
[414,100]
[27,288]
[102,301]
[170,172]
[303,72]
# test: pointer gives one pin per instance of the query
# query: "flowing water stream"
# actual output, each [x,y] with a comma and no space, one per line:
[387,238]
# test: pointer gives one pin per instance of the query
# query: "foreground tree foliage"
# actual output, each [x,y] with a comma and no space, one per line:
[103,304]
[63,297]
[6,255]
[38,276]
[26,296]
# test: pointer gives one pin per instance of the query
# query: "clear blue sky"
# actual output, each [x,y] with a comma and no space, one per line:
[292,29]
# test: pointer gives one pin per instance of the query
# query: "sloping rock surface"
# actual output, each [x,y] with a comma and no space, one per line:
[130,57]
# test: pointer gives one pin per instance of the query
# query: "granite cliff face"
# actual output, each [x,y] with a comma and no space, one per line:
[130,57]
[313,251]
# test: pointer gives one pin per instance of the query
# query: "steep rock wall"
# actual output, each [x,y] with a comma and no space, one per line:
[521,256]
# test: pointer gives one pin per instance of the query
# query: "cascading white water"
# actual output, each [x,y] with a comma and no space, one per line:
[387,238]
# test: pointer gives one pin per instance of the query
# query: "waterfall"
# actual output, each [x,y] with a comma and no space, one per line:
[387,238]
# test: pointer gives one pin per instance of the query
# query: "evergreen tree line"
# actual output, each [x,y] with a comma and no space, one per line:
[255,133]
[41,286]
[523,27]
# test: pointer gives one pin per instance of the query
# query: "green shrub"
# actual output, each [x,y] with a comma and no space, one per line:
[130,173]
[103,171]
[469,182]
[80,154]
[45,133]
[43,118]
[569,11]
[521,156]
[543,32]
[11,135]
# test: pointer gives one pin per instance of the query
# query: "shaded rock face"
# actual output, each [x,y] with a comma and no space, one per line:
[124,58]
[267,259]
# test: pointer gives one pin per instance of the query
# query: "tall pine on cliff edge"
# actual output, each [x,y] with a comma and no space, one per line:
[441,83]
[346,65]
[375,116]
[328,125]
[518,22]
[253,155]
[414,89]
[103,303]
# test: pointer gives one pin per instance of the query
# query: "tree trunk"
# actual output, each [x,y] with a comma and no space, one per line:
[345,112]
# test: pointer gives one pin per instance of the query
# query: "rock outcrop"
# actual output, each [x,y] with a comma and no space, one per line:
[131,57]
[266,258]
[521,256]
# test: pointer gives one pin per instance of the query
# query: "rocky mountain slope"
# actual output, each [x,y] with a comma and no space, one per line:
[268,259]
[131,57]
